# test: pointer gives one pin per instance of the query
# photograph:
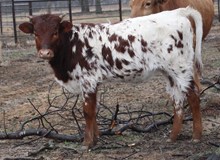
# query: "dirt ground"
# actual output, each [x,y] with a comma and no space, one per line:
[25,78]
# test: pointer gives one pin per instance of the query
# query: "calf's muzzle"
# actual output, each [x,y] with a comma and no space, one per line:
[45,54]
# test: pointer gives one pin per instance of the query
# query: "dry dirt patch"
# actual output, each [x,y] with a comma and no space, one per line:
[26,77]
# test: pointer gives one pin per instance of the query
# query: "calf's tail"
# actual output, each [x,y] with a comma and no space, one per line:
[197,18]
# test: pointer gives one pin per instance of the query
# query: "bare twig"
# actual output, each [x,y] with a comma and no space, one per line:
[214,144]
[211,85]
[42,117]
[46,146]
[135,152]
[114,118]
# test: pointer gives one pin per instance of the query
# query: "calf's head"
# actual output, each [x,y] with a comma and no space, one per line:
[145,7]
[47,30]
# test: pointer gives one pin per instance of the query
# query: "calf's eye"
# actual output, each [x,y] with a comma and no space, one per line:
[147,4]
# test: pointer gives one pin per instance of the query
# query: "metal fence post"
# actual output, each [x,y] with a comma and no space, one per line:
[30,8]
[70,10]
[1,18]
[120,10]
[14,22]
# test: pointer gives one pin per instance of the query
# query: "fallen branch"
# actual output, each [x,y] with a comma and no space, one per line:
[78,138]
[24,158]
[141,129]
[40,132]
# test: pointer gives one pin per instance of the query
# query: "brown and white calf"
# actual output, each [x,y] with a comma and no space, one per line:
[147,7]
[85,55]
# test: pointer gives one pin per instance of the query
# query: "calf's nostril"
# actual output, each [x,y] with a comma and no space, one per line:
[44,52]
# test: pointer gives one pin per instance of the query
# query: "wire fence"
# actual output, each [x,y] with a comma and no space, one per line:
[14,12]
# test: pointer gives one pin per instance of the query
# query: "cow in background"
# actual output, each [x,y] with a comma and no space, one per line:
[147,7]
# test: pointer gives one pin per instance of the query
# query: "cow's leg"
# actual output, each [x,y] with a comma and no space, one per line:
[177,123]
[91,130]
[194,102]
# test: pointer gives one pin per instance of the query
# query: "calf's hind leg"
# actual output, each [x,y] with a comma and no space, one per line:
[178,96]
[194,103]
[177,123]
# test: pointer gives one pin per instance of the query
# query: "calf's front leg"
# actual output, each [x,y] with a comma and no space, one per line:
[91,129]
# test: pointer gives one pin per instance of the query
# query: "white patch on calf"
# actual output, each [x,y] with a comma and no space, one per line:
[72,86]
[74,49]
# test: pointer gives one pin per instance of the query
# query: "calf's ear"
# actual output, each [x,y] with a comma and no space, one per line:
[131,3]
[26,27]
[66,26]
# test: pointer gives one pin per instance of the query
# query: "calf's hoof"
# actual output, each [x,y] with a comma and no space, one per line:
[169,140]
[87,145]
[196,140]
[172,138]
[84,148]
[197,137]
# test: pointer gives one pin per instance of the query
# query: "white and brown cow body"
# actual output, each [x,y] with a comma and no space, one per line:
[147,7]
[84,55]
